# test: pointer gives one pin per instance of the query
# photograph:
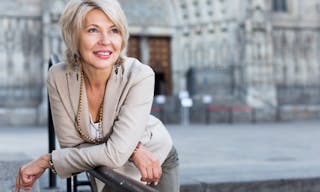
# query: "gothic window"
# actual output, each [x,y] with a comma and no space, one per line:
[183,6]
[209,7]
[195,3]
[185,16]
[280,5]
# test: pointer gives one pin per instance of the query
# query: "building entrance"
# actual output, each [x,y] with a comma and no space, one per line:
[158,59]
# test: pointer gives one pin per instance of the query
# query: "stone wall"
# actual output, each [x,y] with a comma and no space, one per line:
[274,56]
[21,60]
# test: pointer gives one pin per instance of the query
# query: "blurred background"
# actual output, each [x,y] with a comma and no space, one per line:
[214,60]
[236,81]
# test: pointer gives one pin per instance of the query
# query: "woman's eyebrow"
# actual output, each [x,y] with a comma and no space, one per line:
[96,25]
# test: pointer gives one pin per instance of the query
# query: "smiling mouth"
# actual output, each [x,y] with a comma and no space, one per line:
[103,53]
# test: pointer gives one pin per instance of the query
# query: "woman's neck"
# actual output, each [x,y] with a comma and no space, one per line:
[96,78]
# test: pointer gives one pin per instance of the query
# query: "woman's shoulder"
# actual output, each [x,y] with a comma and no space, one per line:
[60,67]
[135,68]
[57,72]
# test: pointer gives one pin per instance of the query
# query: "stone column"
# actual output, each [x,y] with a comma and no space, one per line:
[52,44]
[258,67]
[144,50]
[21,56]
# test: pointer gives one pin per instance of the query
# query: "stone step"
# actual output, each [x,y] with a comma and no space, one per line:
[277,185]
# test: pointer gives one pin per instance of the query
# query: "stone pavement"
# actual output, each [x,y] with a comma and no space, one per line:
[219,157]
[250,157]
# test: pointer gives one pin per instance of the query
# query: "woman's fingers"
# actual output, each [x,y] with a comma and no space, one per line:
[147,174]
[24,179]
[156,176]
[157,172]
[144,173]
[152,173]
[21,185]
[148,165]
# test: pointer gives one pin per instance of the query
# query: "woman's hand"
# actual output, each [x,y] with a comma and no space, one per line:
[30,172]
[147,164]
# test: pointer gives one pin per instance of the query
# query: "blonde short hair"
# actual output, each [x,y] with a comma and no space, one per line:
[72,21]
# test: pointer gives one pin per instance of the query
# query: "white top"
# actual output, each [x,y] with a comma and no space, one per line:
[94,127]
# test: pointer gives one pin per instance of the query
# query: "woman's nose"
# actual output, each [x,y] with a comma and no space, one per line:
[105,39]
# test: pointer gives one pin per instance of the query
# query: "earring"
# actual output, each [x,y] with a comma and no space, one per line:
[76,65]
[117,66]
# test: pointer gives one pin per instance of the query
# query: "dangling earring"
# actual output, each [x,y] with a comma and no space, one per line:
[117,66]
[76,65]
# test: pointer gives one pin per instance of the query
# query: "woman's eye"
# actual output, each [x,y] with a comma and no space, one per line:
[92,30]
[114,30]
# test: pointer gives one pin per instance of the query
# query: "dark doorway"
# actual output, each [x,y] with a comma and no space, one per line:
[159,86]
[159,60]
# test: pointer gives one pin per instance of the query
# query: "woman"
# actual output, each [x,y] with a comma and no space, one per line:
[101,103]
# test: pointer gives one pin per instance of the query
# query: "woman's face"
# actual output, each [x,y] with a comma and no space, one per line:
[99,41]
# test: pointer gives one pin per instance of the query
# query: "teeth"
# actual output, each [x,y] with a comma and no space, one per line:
[104,53]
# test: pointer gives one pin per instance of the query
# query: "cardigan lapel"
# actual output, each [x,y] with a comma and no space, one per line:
[111,98]
[84,116]
[74,81]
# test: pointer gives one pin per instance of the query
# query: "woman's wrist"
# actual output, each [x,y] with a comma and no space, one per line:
[44,161]
[47,162]
[53,169]
[135,150]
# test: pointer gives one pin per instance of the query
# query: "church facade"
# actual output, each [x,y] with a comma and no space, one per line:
[257,53]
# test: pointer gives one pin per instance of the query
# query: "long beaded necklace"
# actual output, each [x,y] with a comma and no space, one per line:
[98,140]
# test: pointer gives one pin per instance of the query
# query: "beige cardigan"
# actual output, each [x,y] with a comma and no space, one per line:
[126,120]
